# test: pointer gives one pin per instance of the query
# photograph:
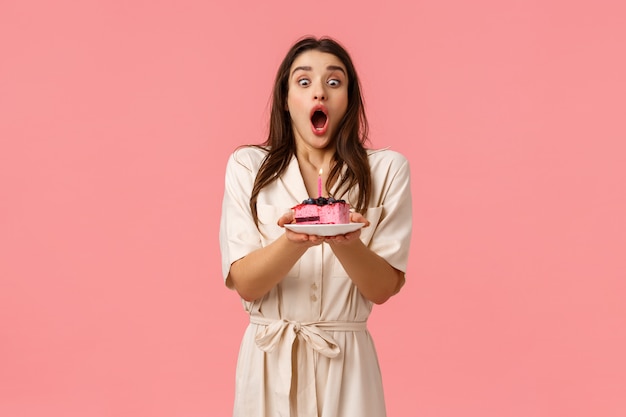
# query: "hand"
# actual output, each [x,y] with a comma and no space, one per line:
[352,236]
[358,218]
[302,238]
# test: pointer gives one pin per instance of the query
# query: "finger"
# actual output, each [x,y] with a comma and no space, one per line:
[359,218]
[285,219]
[316,239]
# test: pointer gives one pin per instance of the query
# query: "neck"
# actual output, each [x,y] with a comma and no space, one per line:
[314,159]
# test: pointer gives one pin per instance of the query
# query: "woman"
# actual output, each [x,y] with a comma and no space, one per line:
[307,351]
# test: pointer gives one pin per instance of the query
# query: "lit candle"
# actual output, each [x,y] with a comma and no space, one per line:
[319,184]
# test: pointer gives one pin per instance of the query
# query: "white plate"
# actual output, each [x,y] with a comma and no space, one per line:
[324,229]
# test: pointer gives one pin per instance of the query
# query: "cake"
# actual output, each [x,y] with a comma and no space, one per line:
[322,211]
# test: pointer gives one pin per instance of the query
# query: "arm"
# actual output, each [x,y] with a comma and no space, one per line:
[377,266]
[249,266]
[258,272]
[373,276]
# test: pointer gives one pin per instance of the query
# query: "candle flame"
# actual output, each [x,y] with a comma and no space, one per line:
[321,171]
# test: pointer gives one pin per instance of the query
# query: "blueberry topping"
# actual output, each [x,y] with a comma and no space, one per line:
[322,201]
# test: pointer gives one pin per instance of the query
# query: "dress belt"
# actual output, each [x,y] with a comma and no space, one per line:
[281,334]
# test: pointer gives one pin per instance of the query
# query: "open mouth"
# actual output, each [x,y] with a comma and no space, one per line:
[319,119]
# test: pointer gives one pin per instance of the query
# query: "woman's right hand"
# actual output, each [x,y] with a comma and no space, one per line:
[302,238]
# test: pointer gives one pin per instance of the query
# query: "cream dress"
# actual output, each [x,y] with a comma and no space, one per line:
[307,351]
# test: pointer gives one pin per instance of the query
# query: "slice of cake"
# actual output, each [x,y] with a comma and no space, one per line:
[322,211]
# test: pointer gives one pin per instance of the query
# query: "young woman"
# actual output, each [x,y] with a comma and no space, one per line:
[307,350]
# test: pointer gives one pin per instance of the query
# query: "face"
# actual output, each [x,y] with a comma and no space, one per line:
[317,98]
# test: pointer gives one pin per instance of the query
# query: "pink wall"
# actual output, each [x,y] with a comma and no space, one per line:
[116,118]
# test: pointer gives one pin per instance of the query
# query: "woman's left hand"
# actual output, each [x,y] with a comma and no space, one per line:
[352,236]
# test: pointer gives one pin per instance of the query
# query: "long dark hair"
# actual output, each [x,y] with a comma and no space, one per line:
[349,139]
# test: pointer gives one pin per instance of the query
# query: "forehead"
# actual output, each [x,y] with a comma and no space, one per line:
[316,60]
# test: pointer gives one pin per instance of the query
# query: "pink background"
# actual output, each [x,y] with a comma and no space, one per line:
[116,119]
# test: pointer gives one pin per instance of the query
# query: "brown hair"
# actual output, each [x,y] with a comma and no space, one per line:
[349,139]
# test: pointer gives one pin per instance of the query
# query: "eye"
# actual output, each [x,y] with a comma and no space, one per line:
[303,82]
[334,82]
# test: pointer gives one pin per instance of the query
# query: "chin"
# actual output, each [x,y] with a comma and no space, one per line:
[322,145]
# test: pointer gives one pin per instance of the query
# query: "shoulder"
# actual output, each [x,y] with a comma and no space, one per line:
[386,159]
[247,157]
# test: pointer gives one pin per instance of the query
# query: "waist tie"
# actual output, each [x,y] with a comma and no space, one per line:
[296,392]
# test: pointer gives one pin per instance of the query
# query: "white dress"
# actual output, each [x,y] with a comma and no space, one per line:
[307,351]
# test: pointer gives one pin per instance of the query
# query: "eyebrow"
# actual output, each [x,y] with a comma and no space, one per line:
[329,68]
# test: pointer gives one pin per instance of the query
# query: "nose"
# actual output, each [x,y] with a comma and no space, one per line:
[319,92]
